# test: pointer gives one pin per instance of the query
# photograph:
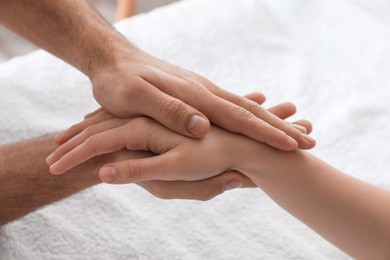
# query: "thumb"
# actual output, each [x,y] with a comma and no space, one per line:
[176,115]
[161,167]
[233,175]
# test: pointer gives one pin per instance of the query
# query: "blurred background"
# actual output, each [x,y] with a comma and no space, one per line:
[11,45]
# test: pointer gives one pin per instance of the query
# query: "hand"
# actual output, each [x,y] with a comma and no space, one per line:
[93,140]
[198,190]
[140,85]
[193,190]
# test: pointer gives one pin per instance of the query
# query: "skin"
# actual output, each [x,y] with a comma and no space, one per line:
[61,162]
[354,216]
[121,74]
[351,214]
[22,170]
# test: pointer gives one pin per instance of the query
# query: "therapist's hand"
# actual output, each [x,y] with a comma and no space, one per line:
[138,84]
[198,190]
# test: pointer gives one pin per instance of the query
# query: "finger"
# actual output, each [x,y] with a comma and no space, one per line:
[97,111]
[286,110]
[77,128]
[299,127]
[81,137]
[240,120]
[257,97]
[240,115]
[95,145]
[176,115]
[246,182]
[283,110]
[306,124]
[160,167]
[230,112]
[195,190]
[139,134]
[301,139]
[220,107]
[272,120]
[269,135]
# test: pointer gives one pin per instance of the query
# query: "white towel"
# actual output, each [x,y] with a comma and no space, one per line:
[331,58]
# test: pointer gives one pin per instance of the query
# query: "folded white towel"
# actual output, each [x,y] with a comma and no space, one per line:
[329,57]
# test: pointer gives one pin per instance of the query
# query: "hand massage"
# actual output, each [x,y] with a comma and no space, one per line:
[186,139]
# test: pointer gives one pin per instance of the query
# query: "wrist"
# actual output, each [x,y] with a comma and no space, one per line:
[256,159]
[109,57]
[24,169]
[263,164]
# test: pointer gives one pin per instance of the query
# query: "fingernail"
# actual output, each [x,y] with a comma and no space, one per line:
[58,136]
[233,184]
[49,159]
[299,127]
[198,125]
[53,169]
[107,174]
[292,142]
[308,139]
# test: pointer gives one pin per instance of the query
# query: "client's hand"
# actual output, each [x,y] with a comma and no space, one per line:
[176,153]
[194,190]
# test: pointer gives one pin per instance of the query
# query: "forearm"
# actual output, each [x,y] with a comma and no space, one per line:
[353,215]
[25,181]
[72,30]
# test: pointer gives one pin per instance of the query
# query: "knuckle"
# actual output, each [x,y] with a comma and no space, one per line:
[198,87]
[195,84]
[141,129]
[244,116]
[89,131]
[207,83]
[173,110]
[135,90]
[260,111]
[91,144]
[238,100]
[74,129]
[243,113]
[131,91]
[133,170]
